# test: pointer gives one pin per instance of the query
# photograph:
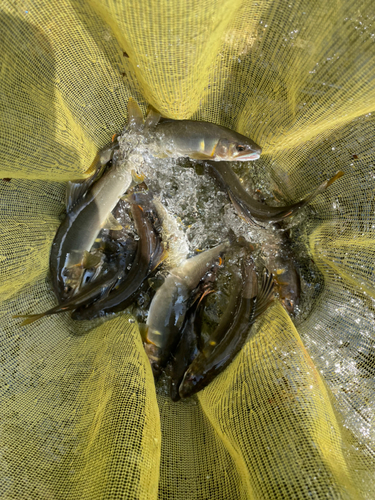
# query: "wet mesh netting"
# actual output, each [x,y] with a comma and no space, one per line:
[293,415]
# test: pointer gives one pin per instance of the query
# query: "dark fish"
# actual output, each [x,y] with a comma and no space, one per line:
[216,356]
[249,208]
[91,291]
[150,253]
[282,263]
[186,350]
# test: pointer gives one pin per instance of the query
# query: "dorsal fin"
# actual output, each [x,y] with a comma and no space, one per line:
[75,191]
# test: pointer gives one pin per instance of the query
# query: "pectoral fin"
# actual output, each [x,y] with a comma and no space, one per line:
[200,156]
[143,330]
[90,260]
[111,223]
[266,294]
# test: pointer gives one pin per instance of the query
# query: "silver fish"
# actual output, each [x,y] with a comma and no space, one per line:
[170,303]
[88,215]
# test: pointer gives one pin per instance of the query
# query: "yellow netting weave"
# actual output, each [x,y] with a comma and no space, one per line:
[293,416]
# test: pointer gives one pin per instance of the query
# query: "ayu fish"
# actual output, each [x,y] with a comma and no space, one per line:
[93,290]
[170,304]
[247,207]
[230,335]
[198,140]
[89,212]
[149,254]
[282,262]
[205,141]
[189,343]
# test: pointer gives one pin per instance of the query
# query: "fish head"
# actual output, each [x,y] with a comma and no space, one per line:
[233,146]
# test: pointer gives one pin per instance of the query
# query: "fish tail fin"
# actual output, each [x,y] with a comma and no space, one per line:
[337,175]
[135,116]
[323,186]
[160,254]
[265,295]
[152,118]
[29,318]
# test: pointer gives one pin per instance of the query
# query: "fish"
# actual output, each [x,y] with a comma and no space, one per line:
[91,291]
[282,263]
[219,350]
[170,303]
[247,207]
[198,140]
[201,140]
[178,245]
[188,345]
[100,164]
[187,348]
[88,214]
[149,255]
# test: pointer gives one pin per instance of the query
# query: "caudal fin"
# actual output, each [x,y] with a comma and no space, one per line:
[135,116]
[152,118]
[30,318]
[297,206]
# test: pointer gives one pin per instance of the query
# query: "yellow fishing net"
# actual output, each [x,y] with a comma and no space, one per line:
[293,415]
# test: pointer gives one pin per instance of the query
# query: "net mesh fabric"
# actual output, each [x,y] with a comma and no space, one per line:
[293,415]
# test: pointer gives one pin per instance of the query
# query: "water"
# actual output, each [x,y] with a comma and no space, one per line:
[198,214]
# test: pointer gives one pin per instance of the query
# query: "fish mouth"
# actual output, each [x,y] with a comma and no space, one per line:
[248,157]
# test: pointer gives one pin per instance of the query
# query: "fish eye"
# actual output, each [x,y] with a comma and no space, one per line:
[240,148]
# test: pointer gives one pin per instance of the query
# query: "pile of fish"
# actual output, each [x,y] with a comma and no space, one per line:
[101,264]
